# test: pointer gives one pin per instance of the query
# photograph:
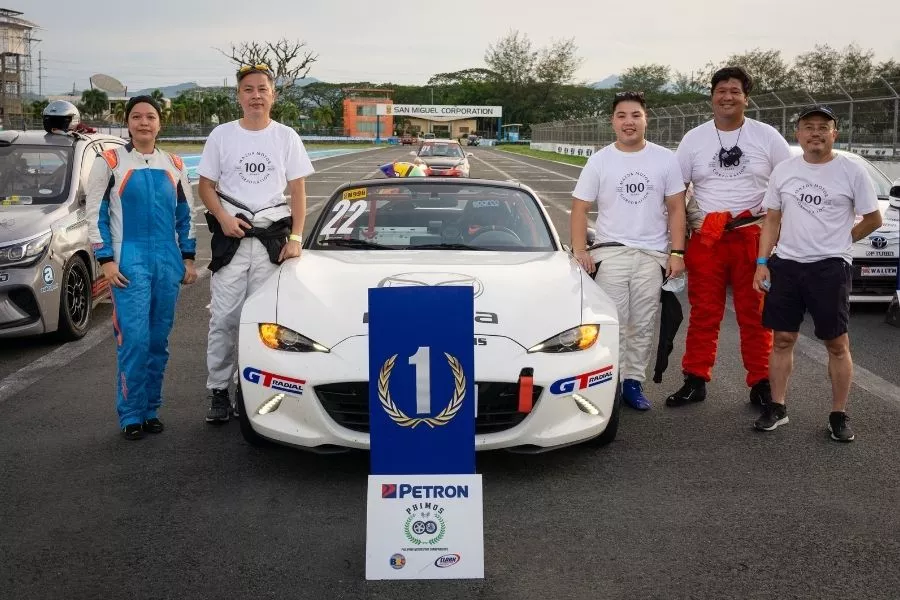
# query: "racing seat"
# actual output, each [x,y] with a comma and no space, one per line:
[490,221]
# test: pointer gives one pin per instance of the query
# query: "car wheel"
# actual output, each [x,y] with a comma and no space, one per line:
[75,300]
[609,434]
[250,436]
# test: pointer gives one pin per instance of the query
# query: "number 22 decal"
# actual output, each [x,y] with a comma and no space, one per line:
[342,208]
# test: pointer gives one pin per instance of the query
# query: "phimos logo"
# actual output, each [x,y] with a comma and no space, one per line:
[447,560]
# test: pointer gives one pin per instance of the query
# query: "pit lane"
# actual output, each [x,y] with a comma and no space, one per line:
[687,503]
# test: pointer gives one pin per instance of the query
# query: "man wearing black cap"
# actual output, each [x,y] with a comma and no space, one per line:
[812,203]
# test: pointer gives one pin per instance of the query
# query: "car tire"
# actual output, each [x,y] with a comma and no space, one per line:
[75,301]
[250,436]
[609,434]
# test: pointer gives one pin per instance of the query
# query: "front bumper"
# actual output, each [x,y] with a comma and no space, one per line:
[330,407]
[874,280]
[28,305]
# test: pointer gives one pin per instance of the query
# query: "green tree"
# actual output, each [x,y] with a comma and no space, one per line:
[817,70]
[770,72]
[512,59]
[94,103]
[648,78]
[157,95]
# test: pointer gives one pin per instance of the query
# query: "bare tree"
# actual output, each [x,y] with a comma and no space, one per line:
[289,60]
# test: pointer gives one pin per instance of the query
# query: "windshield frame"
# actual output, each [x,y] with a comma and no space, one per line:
[422,185]
[68,154]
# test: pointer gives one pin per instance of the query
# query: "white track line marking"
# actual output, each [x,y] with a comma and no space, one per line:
[501,171]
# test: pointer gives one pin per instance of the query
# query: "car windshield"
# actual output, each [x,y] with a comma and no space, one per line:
[449,150]
[34,174]
[432,216]
[879,180]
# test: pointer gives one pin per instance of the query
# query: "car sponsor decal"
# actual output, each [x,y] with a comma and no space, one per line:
[568,385]
[878,271]
[274,381]
[878,242]
[880,254]
[398,561]
[15,200]
[485,204]
[354,194]
[49,280]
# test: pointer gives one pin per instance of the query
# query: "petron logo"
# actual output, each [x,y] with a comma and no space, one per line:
[879,242]
[276,382]
[447,560]
[403,490]
[442,418]
[585,380]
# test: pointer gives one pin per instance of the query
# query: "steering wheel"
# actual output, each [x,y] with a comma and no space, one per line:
[496,229]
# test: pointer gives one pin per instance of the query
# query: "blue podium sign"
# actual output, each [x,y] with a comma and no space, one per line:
[421,380]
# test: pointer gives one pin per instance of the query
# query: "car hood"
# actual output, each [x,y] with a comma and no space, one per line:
[525,296]
[884,241]
[25,221]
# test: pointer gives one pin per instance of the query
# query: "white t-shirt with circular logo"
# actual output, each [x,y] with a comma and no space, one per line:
[630,189]
[819,204]
[739,186]
[254,166]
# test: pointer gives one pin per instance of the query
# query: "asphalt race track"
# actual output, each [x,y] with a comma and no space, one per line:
[687,503]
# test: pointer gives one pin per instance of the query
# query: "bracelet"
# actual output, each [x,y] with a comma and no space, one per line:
[677,253]
[296,238]
[762,261]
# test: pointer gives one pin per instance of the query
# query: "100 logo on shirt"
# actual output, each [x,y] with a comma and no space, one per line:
[812,198]
[634,187]
[255,167]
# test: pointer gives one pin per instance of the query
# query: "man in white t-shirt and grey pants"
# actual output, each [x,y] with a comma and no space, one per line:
[639,195]
[812,203]
[245,167]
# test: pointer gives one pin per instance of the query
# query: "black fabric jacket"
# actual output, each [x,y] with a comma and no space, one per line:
[273,237]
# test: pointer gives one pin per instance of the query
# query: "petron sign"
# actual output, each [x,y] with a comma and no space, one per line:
[438,112]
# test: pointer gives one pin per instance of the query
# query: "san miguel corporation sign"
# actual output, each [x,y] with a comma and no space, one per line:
[438,112]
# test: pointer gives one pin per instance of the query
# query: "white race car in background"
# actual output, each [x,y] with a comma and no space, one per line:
[303,348]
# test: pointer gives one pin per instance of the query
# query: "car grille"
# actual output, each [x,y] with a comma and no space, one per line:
[24,300]
[498,403]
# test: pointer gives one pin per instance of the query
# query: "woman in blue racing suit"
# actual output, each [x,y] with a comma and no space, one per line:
[139,206]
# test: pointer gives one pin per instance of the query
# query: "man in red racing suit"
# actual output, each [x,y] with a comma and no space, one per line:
[728,161]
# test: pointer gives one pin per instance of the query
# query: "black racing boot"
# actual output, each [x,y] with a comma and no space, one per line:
[761,393]
[693,390]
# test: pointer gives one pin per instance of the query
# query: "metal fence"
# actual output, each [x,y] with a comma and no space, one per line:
[868,119]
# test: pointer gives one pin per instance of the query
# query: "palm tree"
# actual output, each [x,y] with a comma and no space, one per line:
[158,96]
[94,102]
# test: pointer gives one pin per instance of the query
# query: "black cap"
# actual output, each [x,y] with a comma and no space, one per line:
[137,100]
[817,109]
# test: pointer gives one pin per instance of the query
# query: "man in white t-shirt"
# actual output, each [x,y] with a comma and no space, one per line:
[244,170]
[637,188]
[812,203]
[728,161]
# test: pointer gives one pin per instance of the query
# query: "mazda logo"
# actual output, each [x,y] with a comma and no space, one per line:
[879,242]
[426,279]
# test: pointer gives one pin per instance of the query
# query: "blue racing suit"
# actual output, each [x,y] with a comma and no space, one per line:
[139,211]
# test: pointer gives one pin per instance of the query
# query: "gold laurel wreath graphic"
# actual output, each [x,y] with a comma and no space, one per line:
[442,418]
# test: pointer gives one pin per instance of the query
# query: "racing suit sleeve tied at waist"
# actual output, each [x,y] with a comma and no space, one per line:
[716,224]
[273,237]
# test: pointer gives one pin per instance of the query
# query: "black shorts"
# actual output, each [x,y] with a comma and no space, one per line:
[821,288]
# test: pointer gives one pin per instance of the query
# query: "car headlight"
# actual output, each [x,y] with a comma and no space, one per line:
[25,252]
[281,338]
[571,340]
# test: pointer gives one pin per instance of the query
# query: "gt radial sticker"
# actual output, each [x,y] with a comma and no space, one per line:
[580,382]
[274,381]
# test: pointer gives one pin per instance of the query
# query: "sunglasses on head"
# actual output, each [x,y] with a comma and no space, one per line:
[629,96]
[259,68]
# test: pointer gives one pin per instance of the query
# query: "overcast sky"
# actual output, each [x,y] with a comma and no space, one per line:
[165,42]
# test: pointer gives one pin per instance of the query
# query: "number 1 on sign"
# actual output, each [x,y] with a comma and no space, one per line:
[421,360]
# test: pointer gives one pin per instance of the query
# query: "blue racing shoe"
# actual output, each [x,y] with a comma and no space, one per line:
[633,394]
